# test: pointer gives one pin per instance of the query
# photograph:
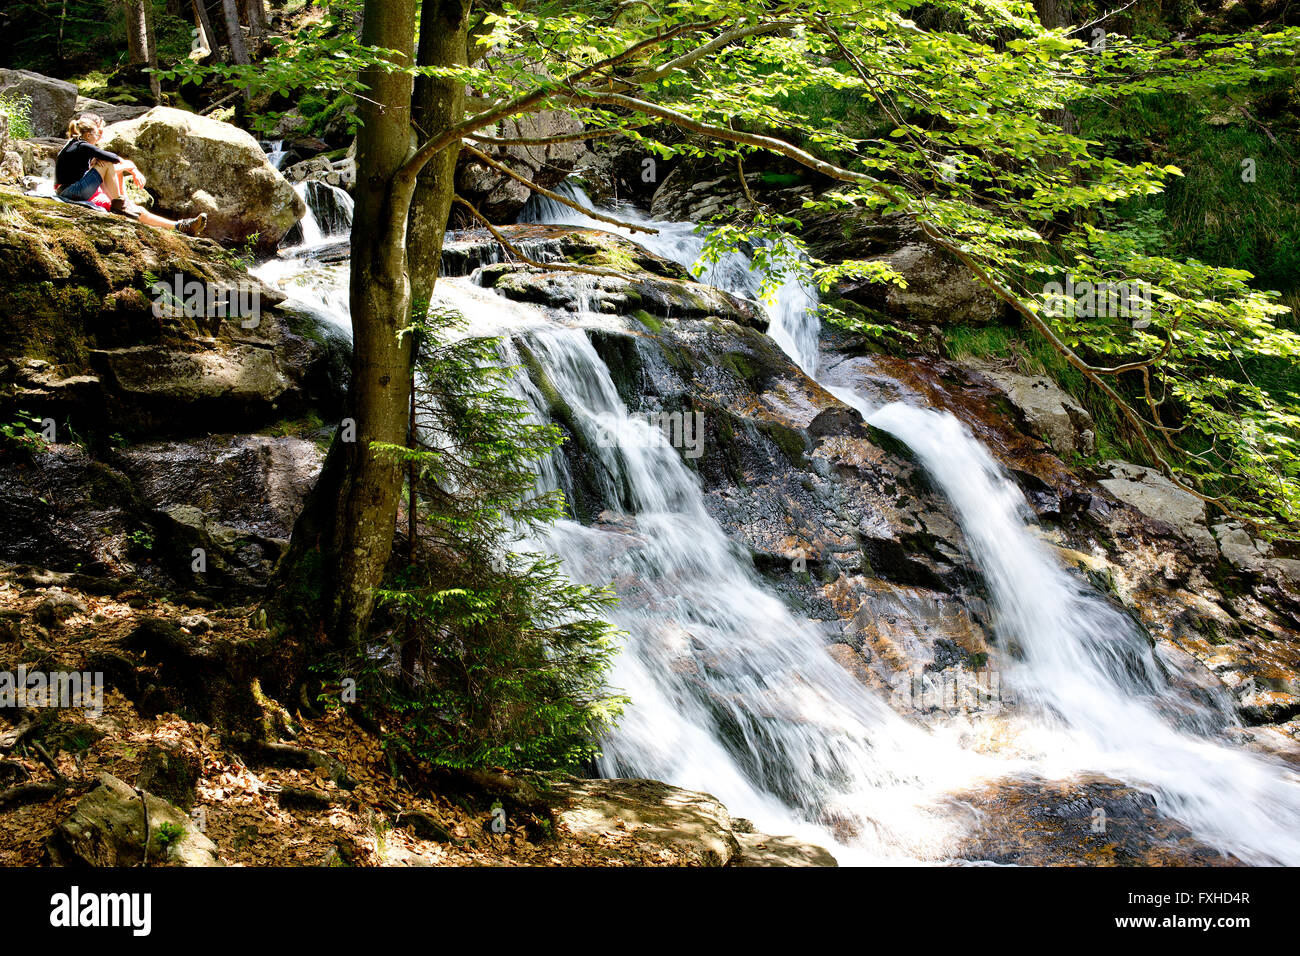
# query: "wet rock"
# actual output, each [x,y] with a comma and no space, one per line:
[683,198]
[196,164]
[1051,413]
[1155,495]
[500,197]
[618,295]
[53,101]
[107,828]
[693,827]
[321,169]
[939,289]
[1086,822]
[617,170]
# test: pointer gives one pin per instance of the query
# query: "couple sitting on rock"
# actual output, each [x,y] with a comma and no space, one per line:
[86,174]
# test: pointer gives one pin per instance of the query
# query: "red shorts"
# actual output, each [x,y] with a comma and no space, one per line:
[101,200]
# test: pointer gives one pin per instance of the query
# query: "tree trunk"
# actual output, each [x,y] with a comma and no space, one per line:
[137,32]
[438,102]
[141,51]
[207,39]
[255,17]
[381,306]
[238,52]
[344,537]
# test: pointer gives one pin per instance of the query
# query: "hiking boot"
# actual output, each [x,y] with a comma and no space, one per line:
[117,206]
[193,226]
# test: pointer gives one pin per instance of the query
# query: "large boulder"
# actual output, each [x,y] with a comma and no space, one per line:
[1150,492]
[53,101]
[84,351]
[937,288]
[1050,412]
[500,197]
[107,828]
[110,112]
[194,164]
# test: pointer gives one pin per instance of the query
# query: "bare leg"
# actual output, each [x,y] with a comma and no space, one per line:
[115,189]
[158,222]
[112,184]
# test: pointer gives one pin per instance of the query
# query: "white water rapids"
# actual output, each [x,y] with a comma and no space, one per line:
[735,696]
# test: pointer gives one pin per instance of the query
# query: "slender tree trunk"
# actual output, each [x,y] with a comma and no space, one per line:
[238,51]
[344,537]
[438,102]
[381,306]
[141,52]
[137,32]
[255,17]
[207,39]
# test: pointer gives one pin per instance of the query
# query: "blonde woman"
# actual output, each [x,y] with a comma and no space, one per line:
[84,173]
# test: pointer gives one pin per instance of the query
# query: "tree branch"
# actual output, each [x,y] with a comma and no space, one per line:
[501,167]
[528,260]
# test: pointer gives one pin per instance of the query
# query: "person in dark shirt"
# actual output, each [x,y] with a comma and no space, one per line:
[84,173]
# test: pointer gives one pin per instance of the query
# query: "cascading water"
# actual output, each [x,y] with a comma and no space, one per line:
[731,693]
[793,323]
[275,152]
[328,218]
[734,695]
[1096,697]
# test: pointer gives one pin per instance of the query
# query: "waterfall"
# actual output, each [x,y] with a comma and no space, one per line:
[735,695]
[793,322]
[328,218]
[275,152]
[1104,698]
[731,693]
[1096,699]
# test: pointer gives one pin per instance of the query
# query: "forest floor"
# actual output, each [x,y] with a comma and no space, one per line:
[238,806]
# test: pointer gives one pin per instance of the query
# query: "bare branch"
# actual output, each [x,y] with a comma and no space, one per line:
[531,101]
[502,167]
[544,140]
[717,43]
[526,259]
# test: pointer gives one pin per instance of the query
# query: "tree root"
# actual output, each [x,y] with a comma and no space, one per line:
[301,758]
[26,793]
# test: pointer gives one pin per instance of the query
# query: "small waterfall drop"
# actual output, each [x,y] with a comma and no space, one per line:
[275,152]
[793,321]
[328,218]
